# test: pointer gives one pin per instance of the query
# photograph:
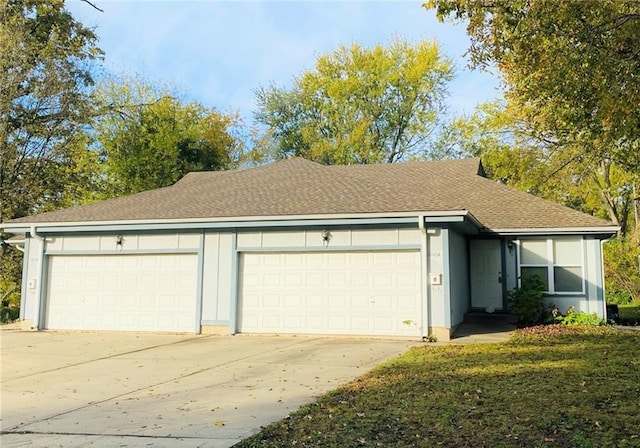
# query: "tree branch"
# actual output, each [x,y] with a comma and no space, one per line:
[92,5]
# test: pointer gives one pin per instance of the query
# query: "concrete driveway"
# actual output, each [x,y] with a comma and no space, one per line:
[77,389]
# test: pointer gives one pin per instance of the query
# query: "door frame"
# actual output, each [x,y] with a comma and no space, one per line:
[503,272]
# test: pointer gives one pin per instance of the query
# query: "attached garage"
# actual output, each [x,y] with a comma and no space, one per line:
[301,247]
[354,293]
[152,292]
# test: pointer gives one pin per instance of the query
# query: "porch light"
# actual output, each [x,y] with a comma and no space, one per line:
[326,237]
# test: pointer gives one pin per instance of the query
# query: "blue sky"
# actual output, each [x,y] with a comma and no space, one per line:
[219,52]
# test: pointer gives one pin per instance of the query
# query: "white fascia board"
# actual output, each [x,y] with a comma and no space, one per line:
[243,222]
[609,230]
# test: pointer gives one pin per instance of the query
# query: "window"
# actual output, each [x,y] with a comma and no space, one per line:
[557,261]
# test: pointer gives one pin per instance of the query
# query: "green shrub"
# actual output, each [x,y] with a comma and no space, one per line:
[526,301]
[580,318]
[9,301]
[552,315]
[616,294]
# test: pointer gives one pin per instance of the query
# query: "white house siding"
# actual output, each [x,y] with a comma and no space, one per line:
[439,315]
[217,282]
[105,243]
[312,239]
[29,294]
[458,277]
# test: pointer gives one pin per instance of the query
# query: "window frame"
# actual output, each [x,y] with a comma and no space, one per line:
[551,264]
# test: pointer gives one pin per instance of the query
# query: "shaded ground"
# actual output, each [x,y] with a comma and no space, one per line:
[77,389]
[553,386]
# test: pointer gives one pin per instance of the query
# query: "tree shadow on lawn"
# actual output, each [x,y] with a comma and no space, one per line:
[575,390]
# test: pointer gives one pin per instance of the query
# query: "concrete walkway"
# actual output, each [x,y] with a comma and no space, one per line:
[75,389]
[478,333]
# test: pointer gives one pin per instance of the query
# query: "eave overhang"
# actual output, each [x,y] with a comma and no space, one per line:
[599,232]
[221,223]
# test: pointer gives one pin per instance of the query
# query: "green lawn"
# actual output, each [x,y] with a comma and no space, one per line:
[553,386]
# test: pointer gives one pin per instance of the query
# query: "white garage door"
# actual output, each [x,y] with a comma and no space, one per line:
[122,292]
[363,293]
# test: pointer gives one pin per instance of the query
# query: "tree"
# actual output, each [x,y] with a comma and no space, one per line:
[359,105]
[515,155]
[45,72]
[572,70]
[148,138]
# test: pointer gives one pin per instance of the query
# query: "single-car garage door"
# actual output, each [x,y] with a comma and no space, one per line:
[359,293]
[154,292]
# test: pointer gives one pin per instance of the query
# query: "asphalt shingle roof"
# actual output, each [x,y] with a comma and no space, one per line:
[301,187]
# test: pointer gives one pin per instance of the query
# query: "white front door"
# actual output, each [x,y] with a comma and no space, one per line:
[153,292]
[486,274]
[358,293]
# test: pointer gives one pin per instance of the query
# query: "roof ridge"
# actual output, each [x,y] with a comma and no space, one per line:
[302,187]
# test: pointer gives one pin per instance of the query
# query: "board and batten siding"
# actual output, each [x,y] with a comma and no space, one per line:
[218,280]
[438,311]
[29,299]
[130,242]
[458,277]
[342,239]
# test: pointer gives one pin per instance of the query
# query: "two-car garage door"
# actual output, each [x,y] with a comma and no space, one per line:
[352,293]
[359,293]
[151,292]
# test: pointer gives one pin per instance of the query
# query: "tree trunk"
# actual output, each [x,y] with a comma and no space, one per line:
[636,211]
[607,198]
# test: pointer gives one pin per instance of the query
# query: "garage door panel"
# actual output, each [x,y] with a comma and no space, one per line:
[122,292]
[335,293]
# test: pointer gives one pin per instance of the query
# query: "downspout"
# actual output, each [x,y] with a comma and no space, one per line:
[424,249]
[602,279]
[39,278]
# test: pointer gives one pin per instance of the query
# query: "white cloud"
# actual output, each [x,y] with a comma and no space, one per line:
[221,51]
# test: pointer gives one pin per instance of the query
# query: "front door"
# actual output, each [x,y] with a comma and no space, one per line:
[486,274]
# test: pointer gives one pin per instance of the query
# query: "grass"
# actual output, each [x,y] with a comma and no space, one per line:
[554,386]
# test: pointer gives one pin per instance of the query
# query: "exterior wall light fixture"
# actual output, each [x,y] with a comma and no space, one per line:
[326,237]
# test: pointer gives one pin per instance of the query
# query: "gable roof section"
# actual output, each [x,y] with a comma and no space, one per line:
[298,187]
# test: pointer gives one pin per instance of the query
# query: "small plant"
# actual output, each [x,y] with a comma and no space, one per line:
[526,301]
[430,338]
[552,315]
[580,318]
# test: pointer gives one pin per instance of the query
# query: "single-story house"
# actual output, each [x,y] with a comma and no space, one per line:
[298,247]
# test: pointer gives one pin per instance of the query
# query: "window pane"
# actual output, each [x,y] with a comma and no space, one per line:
[567,279]
[533,251]
[567,251]
[540,272]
